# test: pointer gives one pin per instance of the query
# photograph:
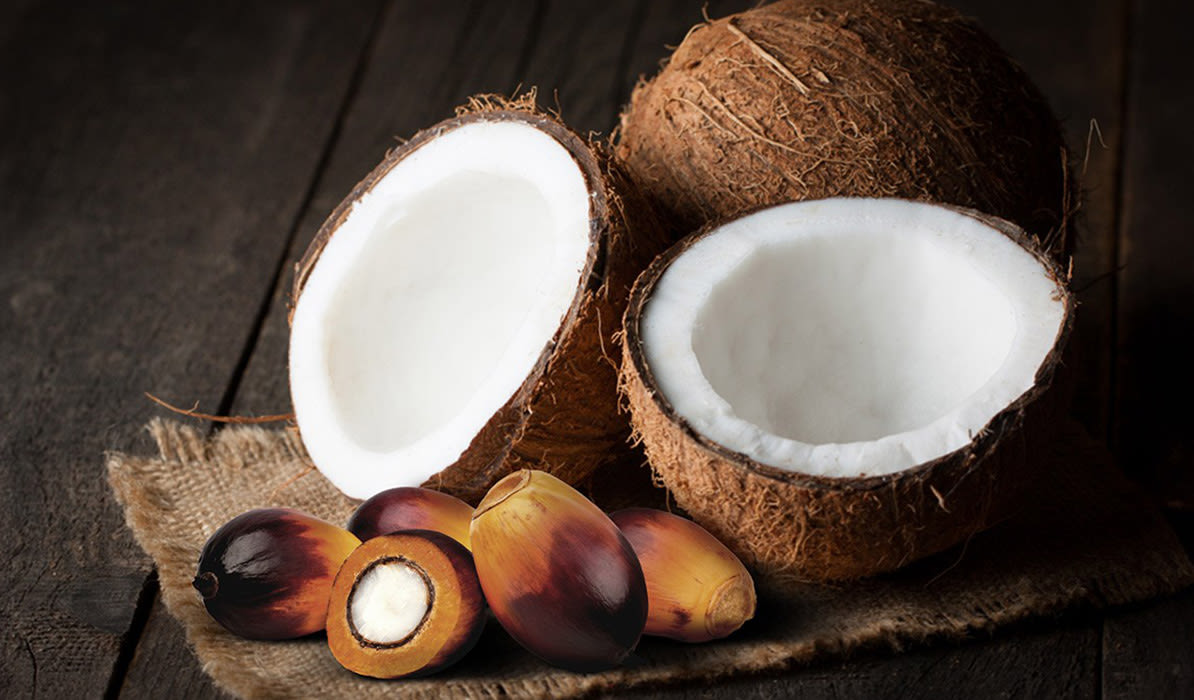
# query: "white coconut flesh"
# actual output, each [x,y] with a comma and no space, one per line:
[849,337]
[389,602]
[433,300]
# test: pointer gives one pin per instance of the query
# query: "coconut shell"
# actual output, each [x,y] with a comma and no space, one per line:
[564,419]
[792,527]
[809,99]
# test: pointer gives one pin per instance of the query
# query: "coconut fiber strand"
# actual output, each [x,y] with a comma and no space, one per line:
[1083,538]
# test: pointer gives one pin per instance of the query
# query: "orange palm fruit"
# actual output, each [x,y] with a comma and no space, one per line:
[697,590]
[557,573]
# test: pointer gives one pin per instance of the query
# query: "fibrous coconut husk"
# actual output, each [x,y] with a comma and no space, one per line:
[564,418]
[809,99]
[792,527]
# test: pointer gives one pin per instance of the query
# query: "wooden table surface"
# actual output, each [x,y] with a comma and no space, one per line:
[162,167]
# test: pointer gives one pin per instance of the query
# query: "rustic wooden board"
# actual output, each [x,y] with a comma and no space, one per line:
[1024,665]
[1148,652]
[1156,287]
[164,666]
[579,58]
[149,177]
[1074,50]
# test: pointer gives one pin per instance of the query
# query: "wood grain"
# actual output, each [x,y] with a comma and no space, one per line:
[1147,651]
[1023,665]
[1156,287]
[1074,50]
[578,59]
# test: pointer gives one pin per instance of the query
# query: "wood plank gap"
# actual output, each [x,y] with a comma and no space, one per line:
[132,637]
[1119,216]
[354,84]
[620,94]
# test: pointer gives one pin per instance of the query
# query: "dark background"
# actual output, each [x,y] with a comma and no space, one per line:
[161,167]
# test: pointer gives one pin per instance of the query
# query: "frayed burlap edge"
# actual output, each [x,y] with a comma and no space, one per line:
[1087,540]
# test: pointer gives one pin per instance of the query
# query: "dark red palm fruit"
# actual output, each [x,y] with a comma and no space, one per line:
[267,573]
[412,508]
[557,573]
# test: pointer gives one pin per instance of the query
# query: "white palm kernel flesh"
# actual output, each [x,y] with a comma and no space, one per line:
[389,602]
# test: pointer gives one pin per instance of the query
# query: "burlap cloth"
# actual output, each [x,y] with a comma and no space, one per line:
[1085,538]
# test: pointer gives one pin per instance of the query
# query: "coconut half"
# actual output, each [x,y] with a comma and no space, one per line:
[838,387]
[474,277]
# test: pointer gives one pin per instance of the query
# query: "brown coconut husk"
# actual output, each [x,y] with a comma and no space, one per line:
[792,527]
[809,99]
[564,418]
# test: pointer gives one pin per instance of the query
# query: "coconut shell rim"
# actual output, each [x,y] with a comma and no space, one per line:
[984,441]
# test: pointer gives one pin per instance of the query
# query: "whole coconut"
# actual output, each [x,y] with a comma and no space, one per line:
[807,99]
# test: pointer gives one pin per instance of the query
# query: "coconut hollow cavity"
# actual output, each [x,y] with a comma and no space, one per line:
[405,604]
[798,372]
[480,269]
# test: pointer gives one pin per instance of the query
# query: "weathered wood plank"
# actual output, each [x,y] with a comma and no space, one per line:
[1147,653]
[428,57]
[164,666]
[1156,289]
[994,668]
[578,60]
[148,177]
[1074,51]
